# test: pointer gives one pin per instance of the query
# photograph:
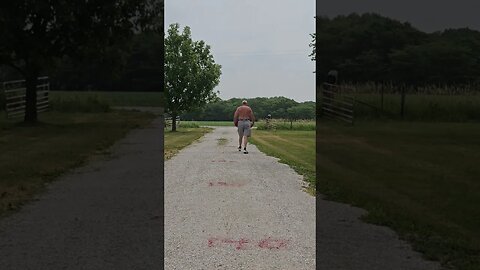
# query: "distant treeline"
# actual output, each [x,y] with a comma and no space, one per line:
[133,65]
[370,47]
[277,107]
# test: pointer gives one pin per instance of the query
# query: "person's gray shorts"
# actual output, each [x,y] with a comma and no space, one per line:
[244,128]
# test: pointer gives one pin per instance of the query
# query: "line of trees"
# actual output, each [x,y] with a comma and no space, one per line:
[277,107]
[370,47]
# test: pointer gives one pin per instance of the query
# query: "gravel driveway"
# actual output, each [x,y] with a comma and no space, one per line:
[102,216]
[228,210]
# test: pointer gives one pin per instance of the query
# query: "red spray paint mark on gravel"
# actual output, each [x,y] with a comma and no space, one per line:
[242,243]
[224,184]
[272,243]
[238,244]
[223,160]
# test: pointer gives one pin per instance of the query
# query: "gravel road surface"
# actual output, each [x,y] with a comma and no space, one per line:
[228,210]
[103,216]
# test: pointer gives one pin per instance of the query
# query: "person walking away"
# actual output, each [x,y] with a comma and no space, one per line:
[244,121]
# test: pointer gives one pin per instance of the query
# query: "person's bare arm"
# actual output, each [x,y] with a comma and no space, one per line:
[235,117]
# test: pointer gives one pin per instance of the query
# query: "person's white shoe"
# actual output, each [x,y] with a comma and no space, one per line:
[245,151]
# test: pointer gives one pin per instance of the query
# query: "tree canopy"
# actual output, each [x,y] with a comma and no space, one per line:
[370,47]
[135,65]
[191,73]
[278,107]
[35,34]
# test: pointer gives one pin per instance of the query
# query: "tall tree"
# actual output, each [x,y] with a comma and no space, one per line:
[191,73]
[36,32]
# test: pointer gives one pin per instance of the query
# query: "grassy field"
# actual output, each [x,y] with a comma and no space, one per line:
[175,141]
[293,147]
[421,179]
[284,124]
[421,107]
[33,155]
[149,99]
[62,99]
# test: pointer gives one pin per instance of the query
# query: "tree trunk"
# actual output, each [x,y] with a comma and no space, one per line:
[31,97]
[174,121]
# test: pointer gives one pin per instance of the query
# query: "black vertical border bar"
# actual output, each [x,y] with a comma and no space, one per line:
[317,136]
[162,135]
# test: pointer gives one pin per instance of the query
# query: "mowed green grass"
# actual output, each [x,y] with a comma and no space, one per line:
[285,124]
[148,99]
[207,123]
[421,107]
[293,147]
[33,155]
[422,179]
[175,141]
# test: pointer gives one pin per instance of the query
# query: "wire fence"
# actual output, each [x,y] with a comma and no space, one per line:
[426,103]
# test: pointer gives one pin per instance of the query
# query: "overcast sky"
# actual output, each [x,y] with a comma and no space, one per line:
[425,15]
[262,45]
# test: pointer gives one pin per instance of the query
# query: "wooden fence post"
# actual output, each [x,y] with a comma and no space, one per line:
[402,105]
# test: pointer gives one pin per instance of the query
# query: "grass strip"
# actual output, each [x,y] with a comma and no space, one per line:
[175,141]
[33,155]
[295,148]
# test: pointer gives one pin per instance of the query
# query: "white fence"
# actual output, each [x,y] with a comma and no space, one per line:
[338,103]
[15,92]
[168,121]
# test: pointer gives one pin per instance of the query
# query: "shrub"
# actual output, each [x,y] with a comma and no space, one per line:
[76,103]
[188,124]
[281,124]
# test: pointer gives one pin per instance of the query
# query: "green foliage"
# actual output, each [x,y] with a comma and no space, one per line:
[35,34]
[295,148]
[41,31]
[423,103]
[370,47]
[188,124]
[175,141]
[79,103]
[223,110]
[313,46]
[421,179]
[302,111]
[284,124]
[134,65]
[191,73]
[128,99]
[435,62]
[60,143]
[419,107]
